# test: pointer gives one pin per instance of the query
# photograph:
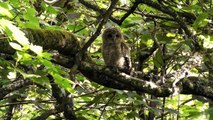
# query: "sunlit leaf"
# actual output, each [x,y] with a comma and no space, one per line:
[164,38]
[43,80]
[207,41]
[46,55]
[63,82]
[201,20]
[5,12]
[51,9]
[11,75]
[170,35]
[25,58]
[15,46]
[27,75]
[48,64]
[17,34]
[30,75]
[36,49]
[124,2]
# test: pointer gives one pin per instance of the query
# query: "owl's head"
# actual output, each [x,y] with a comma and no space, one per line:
[112,35]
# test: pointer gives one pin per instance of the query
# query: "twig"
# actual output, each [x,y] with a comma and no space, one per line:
[47,113]
[102,112]
[97,9]
[132,9]
[28,102]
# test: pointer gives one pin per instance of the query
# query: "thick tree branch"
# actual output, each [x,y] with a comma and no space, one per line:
[196,86]
[168,10]
[64,102]
[120,81]
[65,42]
[14,86]
[155,5]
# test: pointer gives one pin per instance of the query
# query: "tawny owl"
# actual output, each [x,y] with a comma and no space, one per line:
[115,51]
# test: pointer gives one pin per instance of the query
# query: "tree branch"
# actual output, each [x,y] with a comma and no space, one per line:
[48,113]
[65,103]
[96,8]
[118,80]
[131,10]
[148,15]
[14,86]
[178,18]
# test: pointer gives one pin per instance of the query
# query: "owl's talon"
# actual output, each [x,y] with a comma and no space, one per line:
[113,69]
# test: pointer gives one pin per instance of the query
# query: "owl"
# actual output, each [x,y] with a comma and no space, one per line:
[115,51]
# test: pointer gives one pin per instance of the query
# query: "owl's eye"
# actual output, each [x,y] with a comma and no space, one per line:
[109,35]
[117,36]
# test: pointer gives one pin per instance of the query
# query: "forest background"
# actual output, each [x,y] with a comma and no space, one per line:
[51,65]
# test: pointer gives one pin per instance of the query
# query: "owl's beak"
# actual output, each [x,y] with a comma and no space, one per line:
[114,37]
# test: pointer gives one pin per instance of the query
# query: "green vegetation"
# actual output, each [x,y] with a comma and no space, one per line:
[51,65]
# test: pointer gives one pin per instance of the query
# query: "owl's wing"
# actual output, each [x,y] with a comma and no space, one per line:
[127,59]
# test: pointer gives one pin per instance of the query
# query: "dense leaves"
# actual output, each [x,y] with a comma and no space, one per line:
[171,47]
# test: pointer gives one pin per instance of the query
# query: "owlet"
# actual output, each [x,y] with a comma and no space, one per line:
[115,51]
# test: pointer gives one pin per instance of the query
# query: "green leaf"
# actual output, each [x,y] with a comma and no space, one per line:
[201,20]
[146,37]
[63,82]
[32,20]
[51,10]
[47,63]
[132,21]
[165,38]
[80,77]
[30,24]
[5,12]
[43,80]
[17,34]
[36,49]
[27,75]
[3,25]
[15,46]
[46,55]
[158,59]
[12,75]
[132,114]
[15,3]
[25,58]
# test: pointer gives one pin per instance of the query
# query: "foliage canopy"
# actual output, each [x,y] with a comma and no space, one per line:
[51,65]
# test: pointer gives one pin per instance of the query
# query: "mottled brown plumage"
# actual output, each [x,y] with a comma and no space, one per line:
[115,51]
